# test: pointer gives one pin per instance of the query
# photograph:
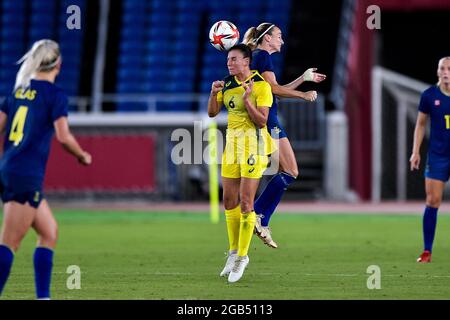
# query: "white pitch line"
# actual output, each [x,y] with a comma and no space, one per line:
[259,274]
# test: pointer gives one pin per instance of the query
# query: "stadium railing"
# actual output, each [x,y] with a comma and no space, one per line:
[305,123]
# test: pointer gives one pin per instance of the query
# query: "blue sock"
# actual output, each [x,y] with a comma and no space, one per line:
[271,196]
[429,227]
[6,260]
[43,264]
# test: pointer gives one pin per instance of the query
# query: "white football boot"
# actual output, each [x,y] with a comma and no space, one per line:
[229,264]
[264,233]
[238,268]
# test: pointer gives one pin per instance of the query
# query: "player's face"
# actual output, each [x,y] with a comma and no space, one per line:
[276,39]
[443,72]
[236,62]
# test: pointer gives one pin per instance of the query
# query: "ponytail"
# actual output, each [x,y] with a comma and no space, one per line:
[43,56]
[254,35]
[249,38]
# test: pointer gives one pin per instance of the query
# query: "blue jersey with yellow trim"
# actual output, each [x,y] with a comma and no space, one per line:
[437,105]
[29,130]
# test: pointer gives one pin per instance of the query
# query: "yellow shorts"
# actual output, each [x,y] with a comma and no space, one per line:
[235,165]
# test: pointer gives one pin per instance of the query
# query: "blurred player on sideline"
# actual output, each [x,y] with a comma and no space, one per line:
[29,117]
[247,98]
[435,104]
[265,40]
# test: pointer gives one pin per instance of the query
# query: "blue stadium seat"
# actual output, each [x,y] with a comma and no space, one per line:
[134,33]
[134,6]
[162,39]
[131,107]
[175,106]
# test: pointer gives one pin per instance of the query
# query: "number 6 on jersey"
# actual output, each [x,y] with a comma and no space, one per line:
[17,125]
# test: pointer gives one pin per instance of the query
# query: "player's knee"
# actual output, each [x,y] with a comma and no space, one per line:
[49,238]
[230,201]
[434,201]
[291,170]
[246,204]
[12,240]
[13,245]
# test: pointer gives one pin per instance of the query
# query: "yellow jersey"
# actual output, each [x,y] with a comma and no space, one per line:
[240,124]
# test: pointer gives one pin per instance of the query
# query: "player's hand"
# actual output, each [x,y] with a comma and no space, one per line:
[85,159]
[310,96]
[414,161]
[311,75]
[248,89]
[216,87]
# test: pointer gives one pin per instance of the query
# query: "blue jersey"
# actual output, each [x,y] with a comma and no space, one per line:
[262,62]
[437,105]
[29,129]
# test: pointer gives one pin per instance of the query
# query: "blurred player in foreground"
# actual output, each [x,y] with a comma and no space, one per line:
[265,40]
[247,98]
[435,104]
[29,117]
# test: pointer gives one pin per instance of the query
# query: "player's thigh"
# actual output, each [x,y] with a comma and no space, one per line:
[45,225]
[251,172]
[17,220]
[230,166]
[288,162]
[434,189]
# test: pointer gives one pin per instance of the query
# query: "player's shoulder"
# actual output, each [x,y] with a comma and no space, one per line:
[260,54]
[257,77]
[259,81]
[430,91]
[229,83]
[48,87]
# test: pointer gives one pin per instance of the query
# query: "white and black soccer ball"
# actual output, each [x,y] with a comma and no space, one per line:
[223,35]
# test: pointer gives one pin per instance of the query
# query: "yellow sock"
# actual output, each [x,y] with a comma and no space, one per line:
[233,218]
[246,232]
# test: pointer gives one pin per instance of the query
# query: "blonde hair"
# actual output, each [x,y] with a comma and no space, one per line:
[43,56]
[442,59]
[254,35]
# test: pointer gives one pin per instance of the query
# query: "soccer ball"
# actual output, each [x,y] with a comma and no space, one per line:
[223,35]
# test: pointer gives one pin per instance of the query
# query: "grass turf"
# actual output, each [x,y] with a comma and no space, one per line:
[178,256]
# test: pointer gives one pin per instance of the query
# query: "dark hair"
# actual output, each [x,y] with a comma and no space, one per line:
[245,49]
[254,35]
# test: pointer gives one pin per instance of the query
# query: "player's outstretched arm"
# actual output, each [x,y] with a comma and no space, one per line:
[419,133]
[68,141]
[213,105]
[285,92]
[308,75]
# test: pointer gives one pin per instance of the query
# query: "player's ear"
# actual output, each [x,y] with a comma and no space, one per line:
[58,65]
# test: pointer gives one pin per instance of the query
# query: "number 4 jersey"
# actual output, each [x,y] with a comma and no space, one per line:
[29,129]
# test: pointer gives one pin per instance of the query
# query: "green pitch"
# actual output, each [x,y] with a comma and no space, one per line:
[178,256]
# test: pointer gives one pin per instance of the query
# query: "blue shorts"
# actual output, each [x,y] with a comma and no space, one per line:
[438,168]
[275,128]
[21,189]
